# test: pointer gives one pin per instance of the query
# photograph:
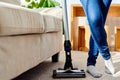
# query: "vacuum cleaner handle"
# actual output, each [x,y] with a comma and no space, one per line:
[65,20]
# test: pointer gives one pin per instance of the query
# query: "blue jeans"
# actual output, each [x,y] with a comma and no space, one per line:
[96,12]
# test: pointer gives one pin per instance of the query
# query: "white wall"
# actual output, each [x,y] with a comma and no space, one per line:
[116,1]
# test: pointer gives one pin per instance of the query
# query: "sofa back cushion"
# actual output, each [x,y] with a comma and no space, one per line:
[16,20]
[17,2]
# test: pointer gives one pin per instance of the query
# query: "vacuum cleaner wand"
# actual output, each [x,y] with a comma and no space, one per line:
[68,71]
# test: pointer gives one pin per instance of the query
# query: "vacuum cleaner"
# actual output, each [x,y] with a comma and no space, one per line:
[68,71]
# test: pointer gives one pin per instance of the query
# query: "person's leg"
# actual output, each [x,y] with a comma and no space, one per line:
[91,61]
[96,20]
[105,4]
[93,50]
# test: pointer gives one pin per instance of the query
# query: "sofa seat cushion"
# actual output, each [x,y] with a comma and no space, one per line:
[52,19]
[19,20]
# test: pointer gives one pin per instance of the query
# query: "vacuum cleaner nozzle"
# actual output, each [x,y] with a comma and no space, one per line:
[75,73]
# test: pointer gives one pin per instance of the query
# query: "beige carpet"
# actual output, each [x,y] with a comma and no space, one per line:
[44,70]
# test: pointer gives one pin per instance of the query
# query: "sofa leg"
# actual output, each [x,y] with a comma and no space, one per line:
[55,57]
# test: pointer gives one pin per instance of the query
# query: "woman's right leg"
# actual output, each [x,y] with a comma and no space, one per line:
[93,50]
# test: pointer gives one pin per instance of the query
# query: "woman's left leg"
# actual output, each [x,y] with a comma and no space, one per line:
[94,15]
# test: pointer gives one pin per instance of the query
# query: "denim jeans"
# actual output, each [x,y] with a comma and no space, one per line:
[96,12]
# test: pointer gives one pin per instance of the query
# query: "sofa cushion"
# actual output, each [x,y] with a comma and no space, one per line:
[17,2]
[52,19]
[19,20]
[16,20]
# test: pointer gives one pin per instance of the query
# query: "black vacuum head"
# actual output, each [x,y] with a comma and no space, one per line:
[68,74]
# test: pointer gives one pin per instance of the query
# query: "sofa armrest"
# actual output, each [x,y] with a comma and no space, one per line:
[13,16]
